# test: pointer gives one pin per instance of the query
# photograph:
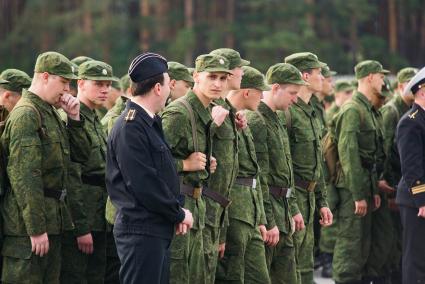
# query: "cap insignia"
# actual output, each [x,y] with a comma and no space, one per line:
[104,72]
[221,61]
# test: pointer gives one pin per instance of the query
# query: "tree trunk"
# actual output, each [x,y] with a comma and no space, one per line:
[144,34]
[230,17]
[392,26]
[188,24]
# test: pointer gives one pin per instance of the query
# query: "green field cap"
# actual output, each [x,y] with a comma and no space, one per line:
[342,85]
[327,72]
[96,71]
[406,74]
[16,80]
[80,60]
[253,79]
[178,72]
[284,73]
[366,67]
[56,64]
[233,56]
[125,82]
[304,61]
[212,63]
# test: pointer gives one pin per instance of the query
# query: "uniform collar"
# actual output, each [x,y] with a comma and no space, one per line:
[362,98]
[398,101]
[307,108]
[140,111]
[267,111]
[37,101]
[198,107]
[88,113]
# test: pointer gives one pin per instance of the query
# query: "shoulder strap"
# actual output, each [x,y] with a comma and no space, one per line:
[189,109]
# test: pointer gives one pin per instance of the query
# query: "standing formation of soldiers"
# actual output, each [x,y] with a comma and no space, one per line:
[254,156]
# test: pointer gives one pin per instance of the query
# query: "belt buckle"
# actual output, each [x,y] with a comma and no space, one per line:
[197,192]
[311,185]
[63,195]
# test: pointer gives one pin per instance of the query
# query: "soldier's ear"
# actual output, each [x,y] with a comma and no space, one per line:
[172,83]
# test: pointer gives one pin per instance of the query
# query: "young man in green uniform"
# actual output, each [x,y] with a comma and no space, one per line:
[357,133]
[305,134]
[244,258]
[181,80]
[276,176]
[84,248]
[187,127]
[38,148]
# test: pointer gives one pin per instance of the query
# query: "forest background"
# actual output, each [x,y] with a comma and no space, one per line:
[340,32]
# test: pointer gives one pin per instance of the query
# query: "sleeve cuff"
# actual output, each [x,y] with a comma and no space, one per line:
[76,123]
[418,193]
[180,216]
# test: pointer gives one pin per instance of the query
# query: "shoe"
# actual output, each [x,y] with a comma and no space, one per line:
[327,265]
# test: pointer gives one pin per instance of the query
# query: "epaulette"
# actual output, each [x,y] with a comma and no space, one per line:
[413,115]
[131,115]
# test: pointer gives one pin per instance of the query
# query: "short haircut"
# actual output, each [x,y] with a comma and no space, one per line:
[142,88]
[309,71]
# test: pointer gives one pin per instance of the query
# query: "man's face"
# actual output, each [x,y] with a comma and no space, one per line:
[212,85]
[327,87]
[315,79]
[55,87]
[164,91]
[95,91]
[285,96]
[234,79]
[254,98]
[377,81]
[179,88]
[342,97]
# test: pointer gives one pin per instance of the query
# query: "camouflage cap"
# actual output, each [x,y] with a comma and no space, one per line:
[125,82]
[233,56]
[304,61]
[366,67]
[284,73]
[191,70]
[56,64]
[80,60]
[406,74]
[327,72]
[96,71]
[16,80]
[2,81]
[212,63]
[178,71]
[253,79]
[342,85]
[386,88]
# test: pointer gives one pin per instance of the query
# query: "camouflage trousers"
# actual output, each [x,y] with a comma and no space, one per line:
[281,261]
[113,263]
[244,259]
[187,263]
[352,246]
[328,234]
[78,267]
[383,242]
[21,266]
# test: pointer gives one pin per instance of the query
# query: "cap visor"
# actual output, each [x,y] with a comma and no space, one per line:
[244,63]
[217,70]
[188,79]
[68,76]
[100,78]
[384,71]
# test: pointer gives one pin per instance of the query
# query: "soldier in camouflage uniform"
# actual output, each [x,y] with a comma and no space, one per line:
[276,176]
[84,248]
[305,134]
[357,134]
[244,257]
[181,80]
[38,148]
[191,145]
[77,61]
[343,92]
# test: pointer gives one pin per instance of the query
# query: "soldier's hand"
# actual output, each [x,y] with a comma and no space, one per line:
[385,187]
[221,249]
[298,222]
[272,236]
[421,212]
[361,207]
[219,114]
[213,164]
[241,120]
[376,201]
[263,232]
[188,218]
[71,105]
[326,217]
[181,229]
[85,243]
[195,162]
[40,244]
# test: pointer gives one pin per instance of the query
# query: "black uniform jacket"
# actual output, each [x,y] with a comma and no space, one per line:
[141,176]
[411,146]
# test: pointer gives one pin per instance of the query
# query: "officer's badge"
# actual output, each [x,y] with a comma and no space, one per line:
[104,72]
[413,115]
[221,61]
[131,115]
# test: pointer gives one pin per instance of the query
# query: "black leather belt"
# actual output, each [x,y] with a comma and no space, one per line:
[56,194]
[251,182]
[217,197]
[307,185]
[95,180]
[194,192]
[278,191]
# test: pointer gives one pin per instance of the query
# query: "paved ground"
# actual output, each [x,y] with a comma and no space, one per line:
[320,280]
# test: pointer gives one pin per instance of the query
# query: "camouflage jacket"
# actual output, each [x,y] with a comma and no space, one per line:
[111,116]
[38,162]
[274,158]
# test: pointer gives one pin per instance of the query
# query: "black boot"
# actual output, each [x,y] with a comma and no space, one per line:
[327,265]
[318,261]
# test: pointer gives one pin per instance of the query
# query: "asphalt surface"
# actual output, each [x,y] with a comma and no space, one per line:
[319,280]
